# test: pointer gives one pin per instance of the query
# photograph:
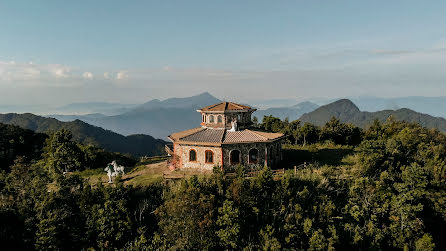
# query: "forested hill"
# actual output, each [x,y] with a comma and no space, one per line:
[347,112]
[137,145]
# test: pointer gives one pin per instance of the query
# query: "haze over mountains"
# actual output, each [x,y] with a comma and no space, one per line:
[292,112]
[156,118]
[434,106]
[346,111]
[160,118]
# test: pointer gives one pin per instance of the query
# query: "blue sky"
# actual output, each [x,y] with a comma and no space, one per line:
[56,52]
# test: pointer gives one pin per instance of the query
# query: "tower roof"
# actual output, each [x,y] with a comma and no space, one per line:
[225,106]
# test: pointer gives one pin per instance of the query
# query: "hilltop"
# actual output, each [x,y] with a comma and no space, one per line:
[347,112]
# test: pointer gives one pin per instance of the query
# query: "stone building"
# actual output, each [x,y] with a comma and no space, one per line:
[225,139]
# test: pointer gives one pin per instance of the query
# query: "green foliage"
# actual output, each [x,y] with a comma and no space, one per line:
[229,222]
[17,142]
[61,154]
[390,196]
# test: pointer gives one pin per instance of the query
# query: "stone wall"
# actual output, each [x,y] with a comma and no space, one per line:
[183,153]
[273,153]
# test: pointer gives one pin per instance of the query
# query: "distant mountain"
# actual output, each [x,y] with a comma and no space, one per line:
[137,145]
[346,111]
[431,105]
[156,118]
[67,118]
[291,112]
[197,101]
[95,107]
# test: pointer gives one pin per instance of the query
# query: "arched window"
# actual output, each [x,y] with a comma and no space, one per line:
[219,120]
[192,155]
[235,157]
[209,155]
[211,119]
[204,118]
[253,156]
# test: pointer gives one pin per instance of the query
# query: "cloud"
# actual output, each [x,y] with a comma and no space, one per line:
[59,71]
[10,71]
[121,75]
[87,75]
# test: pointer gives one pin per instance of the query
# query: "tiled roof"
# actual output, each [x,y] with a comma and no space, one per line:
[225,106]
[268,135]
[242,136]
[223,136]
[207,135]
[176,136]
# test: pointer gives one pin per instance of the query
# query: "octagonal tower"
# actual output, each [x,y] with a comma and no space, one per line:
[222,115]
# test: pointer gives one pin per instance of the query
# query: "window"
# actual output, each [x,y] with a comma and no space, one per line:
[253,156]
[211,119]
[209,156]
[235,157]
[192,155]
[204,118]
[219,120]
[270,153]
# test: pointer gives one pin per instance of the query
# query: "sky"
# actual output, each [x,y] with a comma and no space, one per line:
[60,52]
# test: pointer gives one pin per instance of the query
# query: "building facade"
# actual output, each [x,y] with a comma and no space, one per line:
[225,139]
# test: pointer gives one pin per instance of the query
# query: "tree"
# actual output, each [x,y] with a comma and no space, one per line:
[61,154]
[273,124]
[229,223]
[310,133]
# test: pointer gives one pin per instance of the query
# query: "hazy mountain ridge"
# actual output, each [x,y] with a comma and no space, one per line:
[160,118]
[156,118]
[291,112]
[137,145]
[346,111]
[433,106]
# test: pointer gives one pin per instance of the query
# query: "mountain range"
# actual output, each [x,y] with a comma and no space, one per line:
[136,145]
[346,111]
[161,118]
[291,112]
[157,118]
[430,105]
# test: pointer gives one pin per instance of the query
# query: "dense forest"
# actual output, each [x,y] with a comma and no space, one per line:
[387,192]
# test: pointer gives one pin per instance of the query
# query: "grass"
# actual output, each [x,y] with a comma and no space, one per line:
[322,154]
[336,159]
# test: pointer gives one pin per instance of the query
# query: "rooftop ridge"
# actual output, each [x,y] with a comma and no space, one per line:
[225,106]
[254,132]
[202,129]
[223,136]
